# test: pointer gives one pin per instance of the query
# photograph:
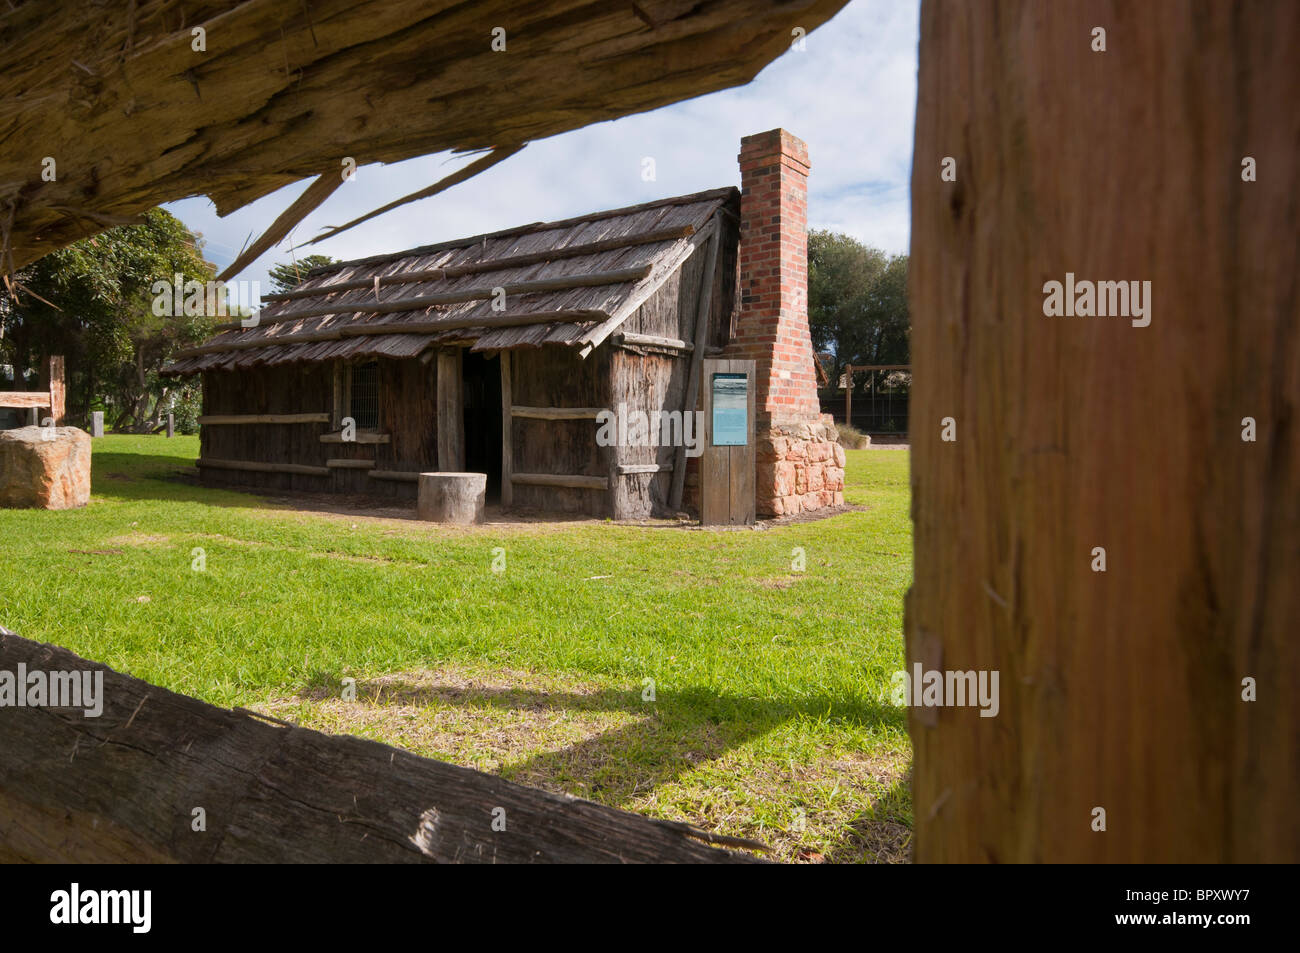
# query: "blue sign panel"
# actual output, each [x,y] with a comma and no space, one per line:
[730,410]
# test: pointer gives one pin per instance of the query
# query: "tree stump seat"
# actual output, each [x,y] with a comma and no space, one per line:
[452,497]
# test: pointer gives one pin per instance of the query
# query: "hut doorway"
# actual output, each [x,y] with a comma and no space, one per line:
[482,396]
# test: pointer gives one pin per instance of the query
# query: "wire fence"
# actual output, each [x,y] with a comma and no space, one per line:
[878,402]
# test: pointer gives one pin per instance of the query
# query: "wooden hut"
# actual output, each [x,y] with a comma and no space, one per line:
[491,354]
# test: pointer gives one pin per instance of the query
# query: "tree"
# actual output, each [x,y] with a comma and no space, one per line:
[291,273]
[857,301]
[94,302]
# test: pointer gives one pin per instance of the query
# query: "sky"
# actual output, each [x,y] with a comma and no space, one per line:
[850,94]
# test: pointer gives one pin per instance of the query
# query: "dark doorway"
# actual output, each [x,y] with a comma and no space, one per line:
[482,382]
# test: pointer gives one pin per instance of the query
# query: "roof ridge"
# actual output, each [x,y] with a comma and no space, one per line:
[687,199]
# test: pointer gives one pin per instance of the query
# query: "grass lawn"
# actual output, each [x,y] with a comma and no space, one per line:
[766,720]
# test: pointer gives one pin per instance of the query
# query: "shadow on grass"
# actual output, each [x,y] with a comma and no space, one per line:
[676,733]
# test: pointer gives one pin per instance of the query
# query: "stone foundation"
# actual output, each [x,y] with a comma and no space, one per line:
[800,466]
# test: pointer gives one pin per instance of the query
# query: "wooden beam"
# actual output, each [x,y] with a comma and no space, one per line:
[651,340]
[499,264]
[507,434]
[623,469]
[209,420]
[703,309]
[274,792]
[557,413]
[848,395]
[344,463]
[451,411]
[574,481]
[24,398]
[257,466]
[54,377]
[403,476]
[361,436]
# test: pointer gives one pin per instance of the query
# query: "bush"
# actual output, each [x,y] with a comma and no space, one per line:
[853,439]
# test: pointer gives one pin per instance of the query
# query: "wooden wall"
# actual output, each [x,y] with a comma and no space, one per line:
[557,377]
[406,408]
[1123,689]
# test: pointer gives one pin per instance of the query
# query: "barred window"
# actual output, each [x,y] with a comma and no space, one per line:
[365,395]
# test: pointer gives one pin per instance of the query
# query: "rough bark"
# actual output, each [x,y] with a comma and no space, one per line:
[122,787]
[1119,689]
[135,116]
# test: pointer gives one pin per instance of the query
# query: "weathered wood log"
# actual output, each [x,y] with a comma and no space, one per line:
[1165,453]
[24,398]
[557,413]
[238,419]
[654,340]
[452,497]
[156,119]
[344,463]
[125,787]
[573,480]
[691,399]
[258,466]
[507,434]
[401,476]
[361,436]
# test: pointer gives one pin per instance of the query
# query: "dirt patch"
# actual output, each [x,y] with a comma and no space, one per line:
[139,539]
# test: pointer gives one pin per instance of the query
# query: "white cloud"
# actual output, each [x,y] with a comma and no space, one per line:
[851,95]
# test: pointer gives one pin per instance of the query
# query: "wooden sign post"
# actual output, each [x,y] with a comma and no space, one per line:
[727,467]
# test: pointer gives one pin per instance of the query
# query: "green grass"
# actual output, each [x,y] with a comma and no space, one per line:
[767,720]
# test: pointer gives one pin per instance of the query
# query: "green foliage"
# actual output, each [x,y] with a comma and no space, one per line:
[290,273]
[857,301]
[93,303]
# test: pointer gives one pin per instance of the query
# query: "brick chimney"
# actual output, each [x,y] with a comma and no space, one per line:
[800,463]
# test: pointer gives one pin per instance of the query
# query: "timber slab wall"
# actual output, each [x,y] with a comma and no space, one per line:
[121,787]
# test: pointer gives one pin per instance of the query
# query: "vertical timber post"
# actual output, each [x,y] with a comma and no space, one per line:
[507,435]
[1107,509]
[451,411]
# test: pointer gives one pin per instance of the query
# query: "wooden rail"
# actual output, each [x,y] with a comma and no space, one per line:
[632,339]
[257,466]
[557,413]
[360,437]
[236,419]
[571,480]
[405,476]
[24,398]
